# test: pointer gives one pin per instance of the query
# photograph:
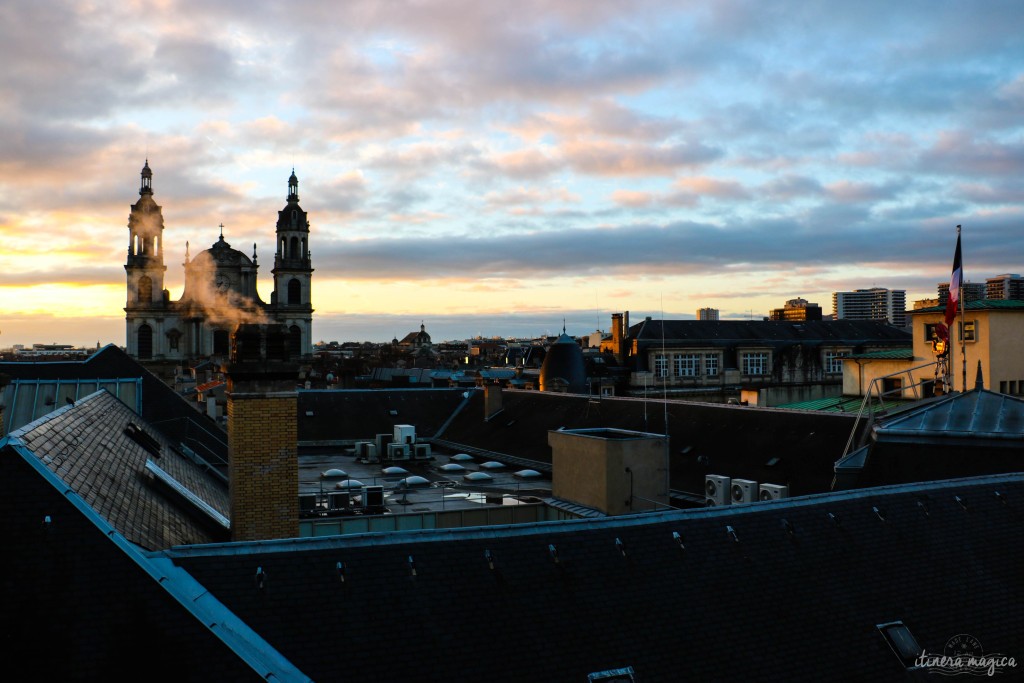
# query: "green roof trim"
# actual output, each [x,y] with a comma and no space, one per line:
[840,404]
[979,305]
[887,354]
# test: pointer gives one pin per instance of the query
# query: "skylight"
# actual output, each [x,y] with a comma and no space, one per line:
[452,467]
[492,465]
[527,474]
[902,642]
[478,476]
[462,457]
[192,499]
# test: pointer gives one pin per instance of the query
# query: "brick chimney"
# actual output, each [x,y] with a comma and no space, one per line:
[263,468]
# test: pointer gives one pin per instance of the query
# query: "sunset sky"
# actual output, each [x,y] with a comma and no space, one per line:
[496,167]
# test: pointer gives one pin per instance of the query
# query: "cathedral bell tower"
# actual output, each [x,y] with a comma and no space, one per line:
[291,303]
[147,299]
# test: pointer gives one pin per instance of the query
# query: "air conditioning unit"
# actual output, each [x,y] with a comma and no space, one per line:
[366,451]
[398,451]
[373,497]
[716,490]
[744,491]
[774,491]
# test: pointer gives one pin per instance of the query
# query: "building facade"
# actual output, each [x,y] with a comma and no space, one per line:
[796,309]
[707,313]
[220,287]
[878,304]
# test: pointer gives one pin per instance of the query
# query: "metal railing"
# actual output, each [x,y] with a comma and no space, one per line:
[876,390]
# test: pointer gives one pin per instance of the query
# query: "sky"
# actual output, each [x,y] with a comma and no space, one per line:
[510,168]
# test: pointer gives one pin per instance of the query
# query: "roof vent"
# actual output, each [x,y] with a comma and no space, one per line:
[679,540]
[261,578]
[141,437]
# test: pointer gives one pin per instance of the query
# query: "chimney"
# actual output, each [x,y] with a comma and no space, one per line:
[616,471]
[617,336]
[263,471]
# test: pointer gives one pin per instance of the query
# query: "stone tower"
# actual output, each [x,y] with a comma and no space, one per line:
[145,269]
[293,274]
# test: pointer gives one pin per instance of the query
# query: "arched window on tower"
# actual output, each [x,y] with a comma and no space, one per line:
[220,342]
[293,248]
[145,339]
[294,341]
[145,294]
[294,292]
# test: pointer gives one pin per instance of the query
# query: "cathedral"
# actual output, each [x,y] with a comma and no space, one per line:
[220,287]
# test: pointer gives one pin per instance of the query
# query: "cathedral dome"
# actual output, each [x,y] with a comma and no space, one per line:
[223,255]
[564,369]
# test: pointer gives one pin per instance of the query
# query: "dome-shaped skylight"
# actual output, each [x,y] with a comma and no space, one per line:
[527,474]
[334,473]
[349,484]
[452,467]
[414,481]
[462,457]
[492,465]
[394,471]
[478,476]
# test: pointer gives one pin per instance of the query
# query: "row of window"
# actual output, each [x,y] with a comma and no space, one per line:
[687,364]
[1015,387]
[752,363]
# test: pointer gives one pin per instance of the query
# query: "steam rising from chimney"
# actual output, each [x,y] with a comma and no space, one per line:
[218,302]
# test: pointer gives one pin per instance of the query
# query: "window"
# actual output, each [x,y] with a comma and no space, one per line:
[145,290]
[294,292]
[220,343]
[833,366]
[172,339]
[968,330]
[902,642]
[755,363]
[624,675]
[687,365]
[145,342]
[294,341]
[661,365]
[711,364]
[929,331]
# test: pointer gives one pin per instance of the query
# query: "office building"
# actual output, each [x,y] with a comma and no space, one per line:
[878,304]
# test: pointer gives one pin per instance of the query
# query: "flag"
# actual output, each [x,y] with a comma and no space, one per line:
[955,282]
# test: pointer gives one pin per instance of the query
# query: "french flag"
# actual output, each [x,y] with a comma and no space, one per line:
[955,282]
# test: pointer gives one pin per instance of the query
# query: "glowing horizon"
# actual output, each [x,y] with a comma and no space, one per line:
[475,165]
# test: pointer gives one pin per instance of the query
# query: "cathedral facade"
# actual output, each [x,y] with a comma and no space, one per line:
[220,287]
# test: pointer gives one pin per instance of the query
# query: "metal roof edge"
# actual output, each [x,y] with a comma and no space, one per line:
[389,538]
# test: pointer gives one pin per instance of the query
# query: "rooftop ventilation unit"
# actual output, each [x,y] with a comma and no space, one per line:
[744,491]
[774,491]
[366,452]
[716,490]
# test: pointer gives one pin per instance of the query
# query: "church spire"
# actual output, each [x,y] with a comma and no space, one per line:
[293,187]
[147,180]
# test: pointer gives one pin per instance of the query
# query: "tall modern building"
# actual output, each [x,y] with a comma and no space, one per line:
[796,309]
[1008,286]
[707,314]
[220,286]
[972,291]
[878,303]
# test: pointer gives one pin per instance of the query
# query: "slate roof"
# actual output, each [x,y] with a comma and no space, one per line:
[957,435]
[162,407]
[340,415]
[976,415]
[704,438]
[788,591]
[87,446]
[729,332]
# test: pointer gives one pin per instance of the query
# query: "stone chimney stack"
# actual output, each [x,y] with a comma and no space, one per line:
[263,467]
[617,336]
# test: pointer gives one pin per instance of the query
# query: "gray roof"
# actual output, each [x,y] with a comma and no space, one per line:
[89,446]
[974,416]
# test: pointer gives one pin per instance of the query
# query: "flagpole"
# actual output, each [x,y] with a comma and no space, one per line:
[963,321]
